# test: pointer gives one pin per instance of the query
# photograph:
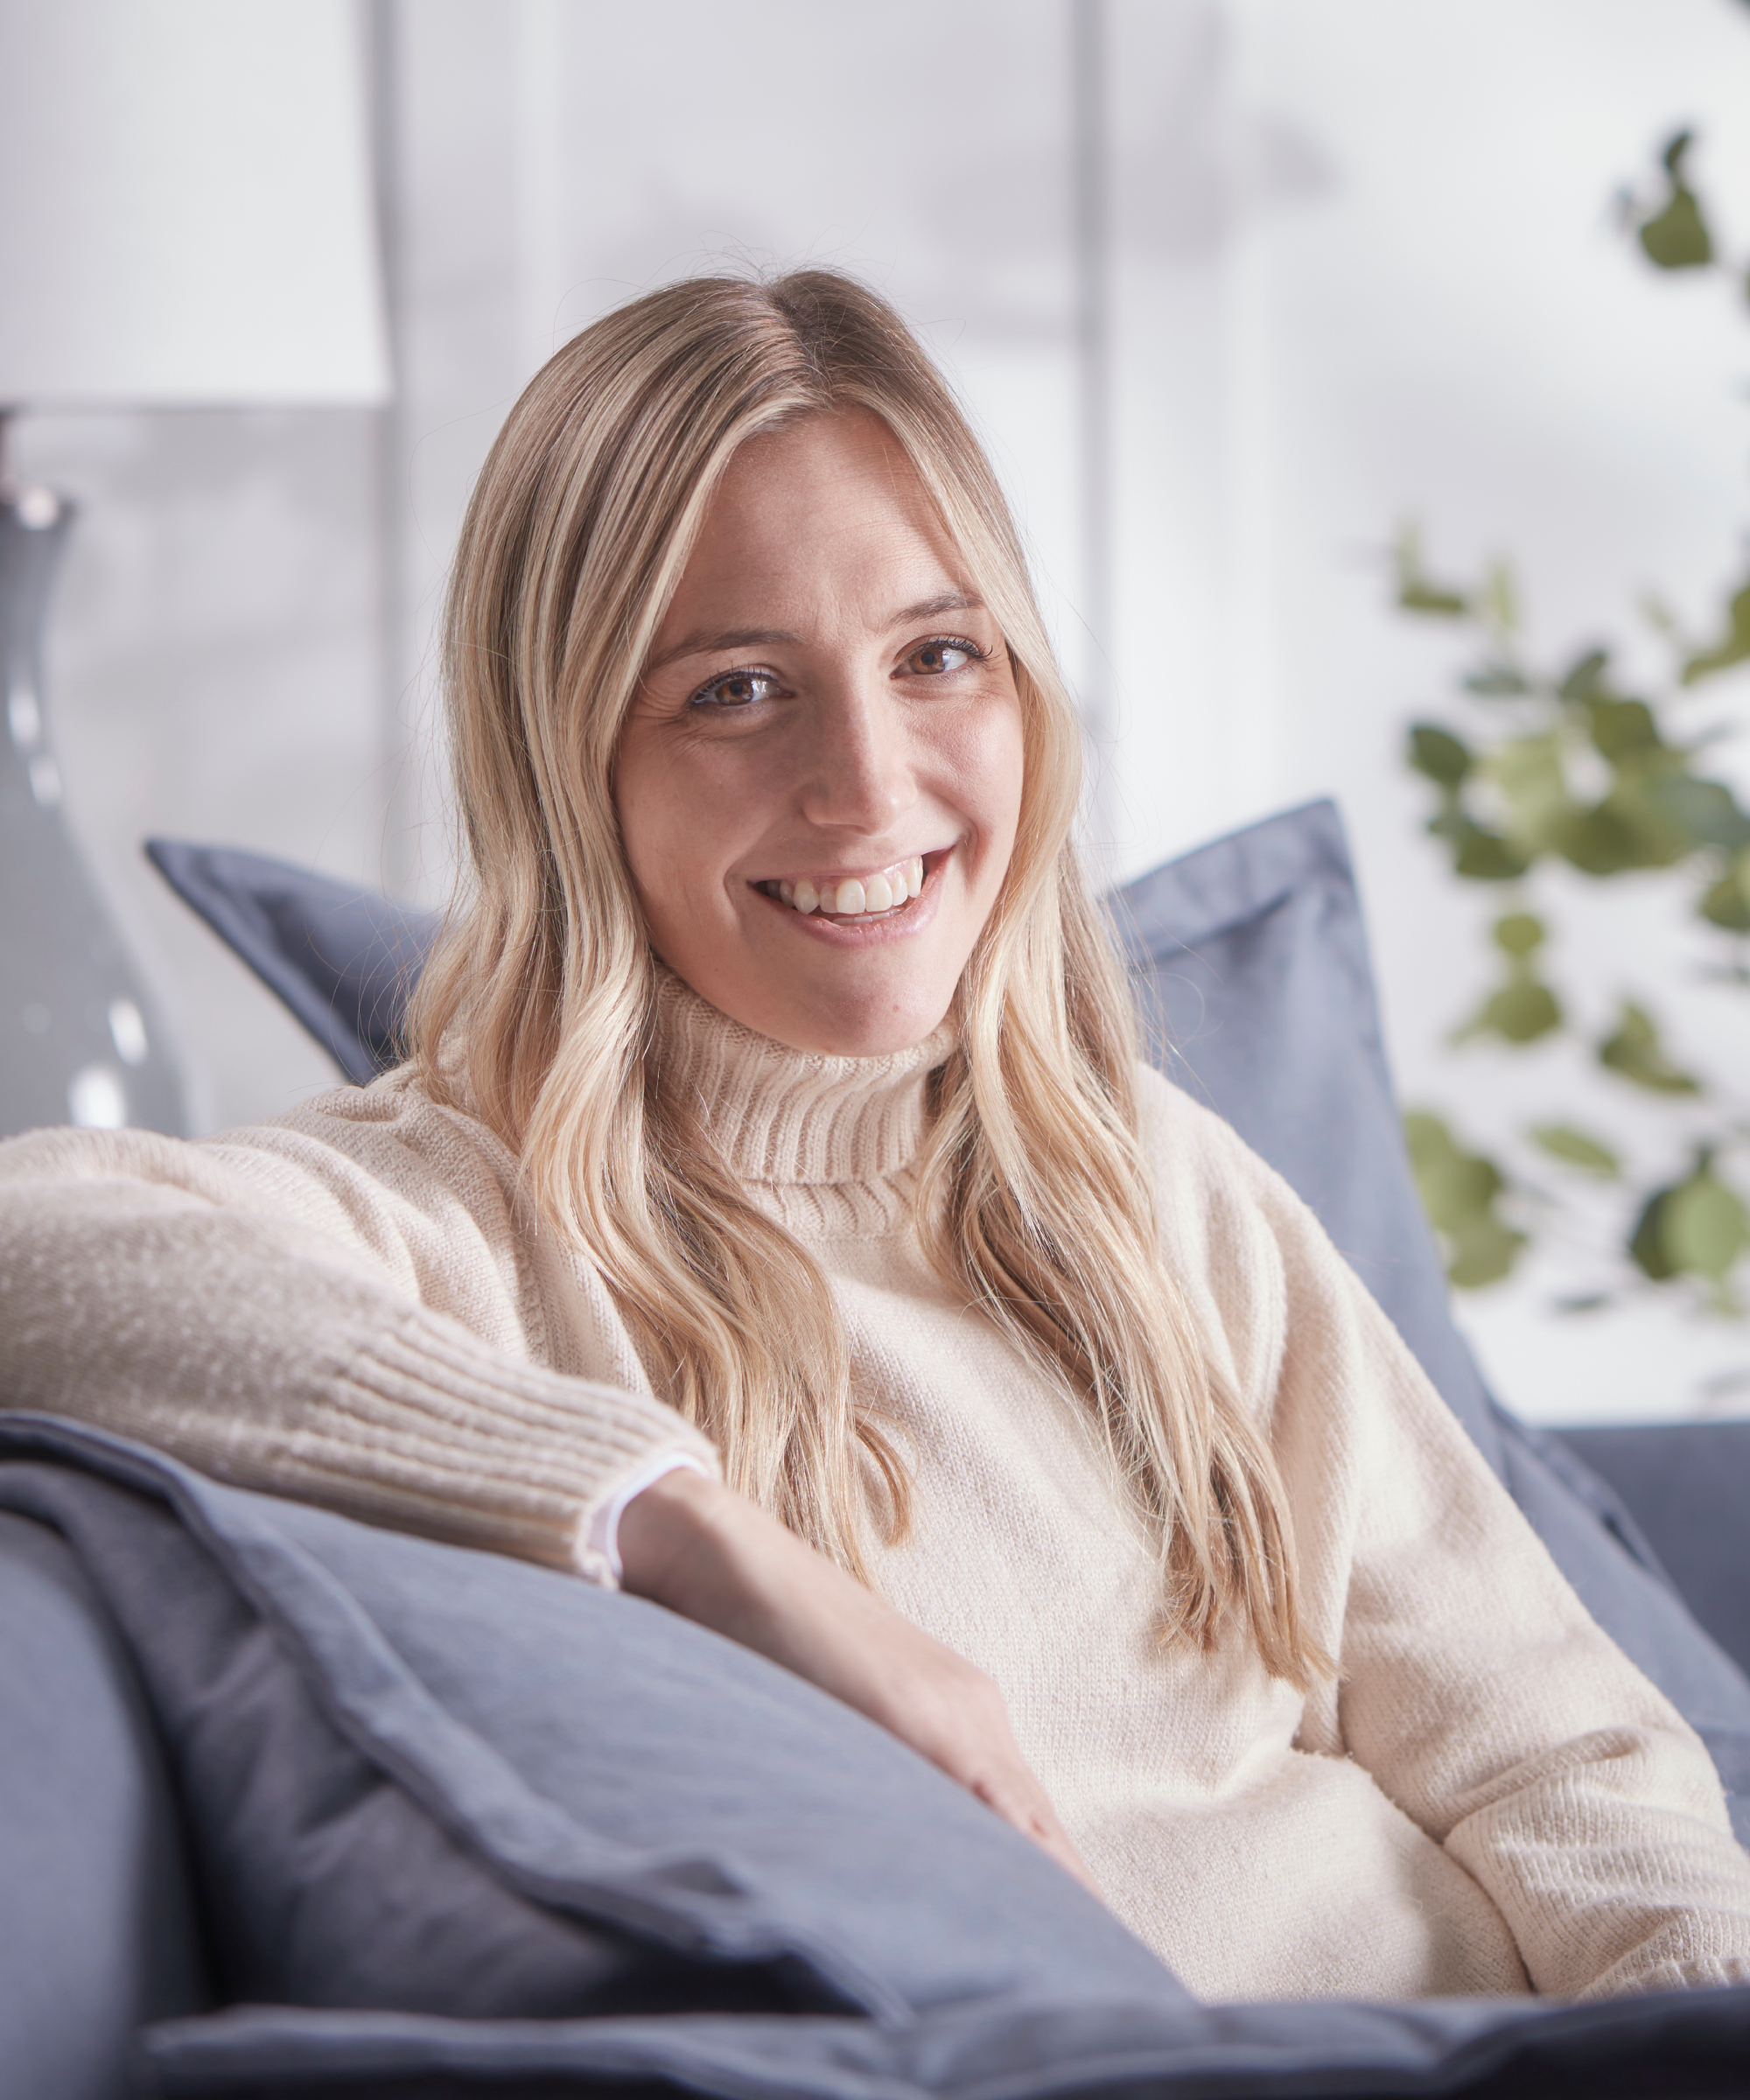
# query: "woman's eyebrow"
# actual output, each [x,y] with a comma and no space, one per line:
[701,644]
[949,601]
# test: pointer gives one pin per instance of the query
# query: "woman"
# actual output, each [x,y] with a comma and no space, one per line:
[771,1216]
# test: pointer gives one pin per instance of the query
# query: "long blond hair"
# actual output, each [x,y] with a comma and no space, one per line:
[541,996]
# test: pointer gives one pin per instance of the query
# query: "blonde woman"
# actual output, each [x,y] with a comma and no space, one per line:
[771,1216]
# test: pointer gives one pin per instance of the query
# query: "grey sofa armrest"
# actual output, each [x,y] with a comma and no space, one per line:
[98,1915]
[1687,1485]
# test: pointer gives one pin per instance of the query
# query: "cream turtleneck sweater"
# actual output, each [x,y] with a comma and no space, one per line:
[352,1305]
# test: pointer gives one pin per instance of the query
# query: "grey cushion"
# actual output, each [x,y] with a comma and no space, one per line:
[341,958]
[441,1805]
[1688,1482]
[358,1719]
[1692,2047]
[97,1912]
[1253,979]
[1252,965]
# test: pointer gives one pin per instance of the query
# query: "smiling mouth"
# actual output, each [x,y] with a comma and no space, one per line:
[852,900]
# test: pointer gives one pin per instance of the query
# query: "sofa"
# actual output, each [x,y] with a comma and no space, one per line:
[290,1803]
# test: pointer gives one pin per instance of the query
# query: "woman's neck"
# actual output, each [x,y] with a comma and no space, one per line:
[786,1117]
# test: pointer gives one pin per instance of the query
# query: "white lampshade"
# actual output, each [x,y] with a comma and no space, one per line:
[185,205]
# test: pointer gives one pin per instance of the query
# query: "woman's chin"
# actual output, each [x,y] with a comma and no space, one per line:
[850,1025]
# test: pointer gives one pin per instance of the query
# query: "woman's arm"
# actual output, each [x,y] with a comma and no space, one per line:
[1474,1686]
[1487,1703]
[706,1552]
[338,1307]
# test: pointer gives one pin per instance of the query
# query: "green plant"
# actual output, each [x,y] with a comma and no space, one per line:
[1571,766]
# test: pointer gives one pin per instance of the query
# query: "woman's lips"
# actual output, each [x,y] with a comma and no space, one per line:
[852,898]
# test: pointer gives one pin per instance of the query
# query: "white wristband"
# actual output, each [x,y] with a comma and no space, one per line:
[601,1542]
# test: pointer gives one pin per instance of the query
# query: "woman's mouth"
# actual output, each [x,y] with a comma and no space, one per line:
[852,898]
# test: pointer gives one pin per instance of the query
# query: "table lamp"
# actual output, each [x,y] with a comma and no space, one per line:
[186,220]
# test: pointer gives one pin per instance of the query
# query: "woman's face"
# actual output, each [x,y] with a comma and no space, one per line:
[820,777]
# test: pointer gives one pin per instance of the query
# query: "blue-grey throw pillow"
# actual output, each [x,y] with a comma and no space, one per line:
[425,1779]
[342,959]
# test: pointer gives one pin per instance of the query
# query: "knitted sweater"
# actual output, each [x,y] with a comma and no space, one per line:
[353,1304]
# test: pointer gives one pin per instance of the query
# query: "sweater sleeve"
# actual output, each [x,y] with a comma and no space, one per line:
[341,1307]
[1474,1686]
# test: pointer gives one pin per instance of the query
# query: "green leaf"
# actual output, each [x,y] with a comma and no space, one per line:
[1519,1013]
[1500,598]
[1456,1185]
[1676,237]
[1529,772]
[1706,813]
[1431,598]
[1496,682]
[1483,855]
[1732,647]
[1704,1227]
[1601,842]
[1483,1255]
[1726,903]
[1417,591]
[1458,1191]
[1646,1242]
[1586,676]
[1574,1148]
[1519,934]
[1635,1053]
[1723,905]
[1438,754]
[1622,729]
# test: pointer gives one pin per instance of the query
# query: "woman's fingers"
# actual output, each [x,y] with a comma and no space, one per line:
[987,1762]
[1023,1802]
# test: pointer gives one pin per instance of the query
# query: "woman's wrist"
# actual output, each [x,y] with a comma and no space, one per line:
[599,1544]
[709,1554]
[666,1534]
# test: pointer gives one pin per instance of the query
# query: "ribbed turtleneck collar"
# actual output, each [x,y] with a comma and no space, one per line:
[794,1118]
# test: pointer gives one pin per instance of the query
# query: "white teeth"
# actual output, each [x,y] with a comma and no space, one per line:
[852,899]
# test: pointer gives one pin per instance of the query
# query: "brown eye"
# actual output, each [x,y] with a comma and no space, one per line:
[932,658]
[735,688]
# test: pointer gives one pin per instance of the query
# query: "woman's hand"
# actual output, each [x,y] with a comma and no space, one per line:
[707,1553]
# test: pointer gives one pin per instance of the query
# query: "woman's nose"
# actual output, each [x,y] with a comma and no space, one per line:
[858,772]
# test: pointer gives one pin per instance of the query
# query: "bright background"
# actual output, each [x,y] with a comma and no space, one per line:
[1363,266]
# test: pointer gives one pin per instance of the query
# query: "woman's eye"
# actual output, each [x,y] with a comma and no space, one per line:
[932,658]
[735,688]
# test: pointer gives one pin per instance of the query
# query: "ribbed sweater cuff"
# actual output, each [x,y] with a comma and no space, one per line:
[457,1440]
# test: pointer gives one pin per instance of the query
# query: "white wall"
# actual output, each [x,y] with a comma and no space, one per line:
[1365,267]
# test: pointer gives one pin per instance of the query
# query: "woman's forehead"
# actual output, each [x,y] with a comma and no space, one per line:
[823,516]
[826,464]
